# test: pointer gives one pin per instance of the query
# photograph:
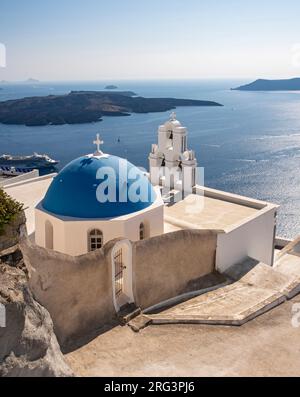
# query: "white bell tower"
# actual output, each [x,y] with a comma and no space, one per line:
[172,165]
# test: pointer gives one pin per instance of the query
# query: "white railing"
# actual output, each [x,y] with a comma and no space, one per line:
[15,179]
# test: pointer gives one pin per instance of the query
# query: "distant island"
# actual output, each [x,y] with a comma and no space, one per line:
[28,81]
[111,87]
[271,85]
[79,107]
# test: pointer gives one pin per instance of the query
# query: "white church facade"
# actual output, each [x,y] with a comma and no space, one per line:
[100,197]
[76,216]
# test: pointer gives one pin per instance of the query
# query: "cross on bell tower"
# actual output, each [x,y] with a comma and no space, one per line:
[173,116]
[98,142]
[172,164]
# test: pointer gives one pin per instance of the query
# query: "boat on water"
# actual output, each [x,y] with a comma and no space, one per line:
[35,161]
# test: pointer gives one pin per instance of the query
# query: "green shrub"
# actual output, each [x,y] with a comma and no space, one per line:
[9,209]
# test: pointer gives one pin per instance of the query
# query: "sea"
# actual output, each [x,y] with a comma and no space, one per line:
[250,146]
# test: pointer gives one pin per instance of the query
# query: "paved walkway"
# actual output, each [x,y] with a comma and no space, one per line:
[267,346]
[259,290]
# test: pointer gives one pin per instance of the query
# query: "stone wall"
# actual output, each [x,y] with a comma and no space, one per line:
[165,266]
[77,291]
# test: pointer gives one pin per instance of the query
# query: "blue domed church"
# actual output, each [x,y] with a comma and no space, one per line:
[97,198]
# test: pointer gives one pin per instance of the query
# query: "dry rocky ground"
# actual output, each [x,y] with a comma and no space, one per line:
[266,346]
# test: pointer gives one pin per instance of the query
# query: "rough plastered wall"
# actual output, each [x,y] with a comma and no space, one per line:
[164,266]
[77,291]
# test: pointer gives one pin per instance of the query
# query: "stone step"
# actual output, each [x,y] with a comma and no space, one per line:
[258,288]
[128,312]
[140,322]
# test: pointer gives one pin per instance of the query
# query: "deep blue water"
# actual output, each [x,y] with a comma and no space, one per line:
[251,146]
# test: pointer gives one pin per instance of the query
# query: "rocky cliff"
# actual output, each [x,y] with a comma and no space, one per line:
[28,345]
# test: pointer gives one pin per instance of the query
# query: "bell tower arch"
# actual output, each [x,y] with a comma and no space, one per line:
[172,165]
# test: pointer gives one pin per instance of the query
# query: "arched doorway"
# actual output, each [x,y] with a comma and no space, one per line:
[48,235]
[121,258]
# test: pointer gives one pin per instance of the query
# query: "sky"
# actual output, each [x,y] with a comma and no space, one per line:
[149,39]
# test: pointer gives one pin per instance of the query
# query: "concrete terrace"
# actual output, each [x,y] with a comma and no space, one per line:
[202,212]
[30,193]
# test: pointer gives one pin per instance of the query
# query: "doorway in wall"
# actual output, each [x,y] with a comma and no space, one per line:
[122,274]
[119,273]
[48,235]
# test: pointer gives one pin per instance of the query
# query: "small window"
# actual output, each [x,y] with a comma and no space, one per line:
[95,240]
[142,231]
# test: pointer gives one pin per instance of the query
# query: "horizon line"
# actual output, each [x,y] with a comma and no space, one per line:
[139,79]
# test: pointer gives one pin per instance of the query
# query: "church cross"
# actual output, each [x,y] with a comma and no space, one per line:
[98,142]
[173,116]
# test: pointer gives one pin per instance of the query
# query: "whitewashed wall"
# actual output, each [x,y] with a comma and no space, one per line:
[254,238]
[70,235]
